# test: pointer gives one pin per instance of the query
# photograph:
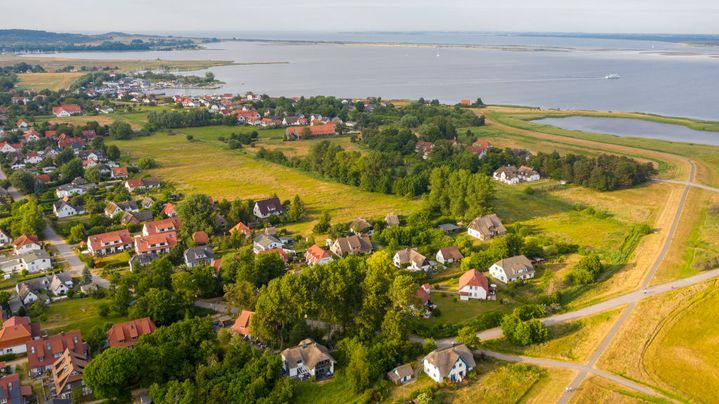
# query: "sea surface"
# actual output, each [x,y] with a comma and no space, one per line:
[564,73]
[625,127]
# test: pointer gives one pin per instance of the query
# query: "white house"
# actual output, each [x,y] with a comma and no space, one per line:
[411,259]
[268,207]
[473,285]
[63,209]
[308,359]
[25,294]
[25,244]
[451,363]
[512,175]
[264,242]
[32,261]
[4,238]
[512,269]
[401,374]
[486,227]
[449,255]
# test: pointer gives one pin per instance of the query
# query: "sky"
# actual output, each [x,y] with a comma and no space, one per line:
[186,16]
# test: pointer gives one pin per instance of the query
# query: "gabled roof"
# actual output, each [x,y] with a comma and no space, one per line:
[473,278]
[317,252]
[163,225]
[400,372]
[242,324]
[17,331]
[68,369]
[155,242]
[443,359]
[200,237]
[308,352]
[512,265]
[452,253]
[128,333]
[24,240]
[354,244]
[118,237]
[41,352]
[269,206]
[198,253]
[488,225]
[242,228]
[410,255]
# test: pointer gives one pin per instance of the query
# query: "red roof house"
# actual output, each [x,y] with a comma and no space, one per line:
[66,110]
[317,255]
[297,132]
[242,324]
[171,224]
[119,172]
[127,334]
[42,353]
[473,285]
[159,243]
[109,243]
[242,229]
[16,332]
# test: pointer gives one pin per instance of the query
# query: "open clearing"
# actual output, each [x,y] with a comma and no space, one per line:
[51,81]
[205,166]
[599,390]
[71,314]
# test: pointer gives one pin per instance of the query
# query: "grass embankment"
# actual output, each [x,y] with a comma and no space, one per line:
[669,343]
[51,81]
[205,165]
[71,314]
[572,341]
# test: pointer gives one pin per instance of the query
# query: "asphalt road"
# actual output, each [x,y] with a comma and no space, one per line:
[689,183]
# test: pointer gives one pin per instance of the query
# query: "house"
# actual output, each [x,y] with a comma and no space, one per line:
[411,259]
[268,207]
[42,353]
[360,225]
[317,255]
[220,222]
[25,294]
[142,216]
[44,178]
[448,228]
[119,172]
[12,392]
[128,333]
[264,242]
[200,237]
[147,202]
[486,227]
[32,261]
[22,124]
[424,148]
[78,186]
[299,132]
[242,229]
[199,256]
[449,255]
[352,245]
[63,209]
[161,226]
[141,260]
[6,147]
[308,359]
[58,287]
[110,242]
[512,175]
[401,374]
[423,293]
[25,244]
[451,363]
[512,269]
[159,243]
[169,210]
[479,148]
[392,220]
[248,117]
[15,333]
[4,238]
[528,174]
[142,184]
[32,157]
[242,324]
[65,110]
[67,375]
[473,285]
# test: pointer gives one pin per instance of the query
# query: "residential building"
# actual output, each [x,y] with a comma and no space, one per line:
[15,333]
[198,256]
[159,243]
[479,148]
[67,375]
[4,238]
[128,333]
[138,217]
[352,245]
[317,255]
[486,227]
[12,392]
[308,359]
[401,374]
[449,255]
[392,220]
[119,173]
[109,243]
[65,110]
[410,259]
[473,285]
[26,243]
[512,175]
[301,132]
[423,294]
[142,184]
[42,353]
[264,242]
[241,229]
[360,225]
[141,260]
[78,186]
[268,207]
[451,363]
[33,261]
[512,269]
[114,208]
[168,225]
[63,209]
[200,237]
[242,324]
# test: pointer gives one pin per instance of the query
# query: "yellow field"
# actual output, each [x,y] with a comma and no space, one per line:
[51,81]
[599,390]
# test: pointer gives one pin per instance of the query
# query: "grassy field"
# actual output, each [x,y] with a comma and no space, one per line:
[455,311]
[599,390]
[667,343]
[51,81]
[572,341]
[71,314]
[213,169]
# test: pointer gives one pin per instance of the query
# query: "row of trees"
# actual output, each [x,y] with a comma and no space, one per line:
[185,119]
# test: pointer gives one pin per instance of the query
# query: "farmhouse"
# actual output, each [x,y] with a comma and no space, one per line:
[317,255]
[512,269]
[352,245]
[451,363]
[159,243]
[242,324]
[67,375]
[308,359]
[268,207]
[63,209]
[128,333]
[486,227]
[449,255]
[42,353]
[109,243]
[473,285]
[411,259]
[512,175]
[198,256]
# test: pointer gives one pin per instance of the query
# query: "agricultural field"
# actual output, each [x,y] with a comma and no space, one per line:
[51,81]
[213,169]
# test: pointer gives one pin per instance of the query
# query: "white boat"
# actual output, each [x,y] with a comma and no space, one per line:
[612,76]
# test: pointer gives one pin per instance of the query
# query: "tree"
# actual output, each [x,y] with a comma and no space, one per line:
[23,181]
[241,294]
[120,130]
[71,170]
[4,298]
[113,152]
[112,373]
[297,209]
[27,219]
[196,213]
[96,338]
[121,300]
[358,370]
[324,224]
[184,285]
[161,305]
[586,271]
[429,345]
[77,233]
[93,175]
[146,163]
[468,336]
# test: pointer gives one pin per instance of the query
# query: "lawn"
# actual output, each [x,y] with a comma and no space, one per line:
[51,81]
[500,383]
[334,390]
[572,341]
[71,314]
[455,311]
[205,165]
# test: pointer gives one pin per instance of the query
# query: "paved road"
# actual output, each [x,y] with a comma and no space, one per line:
[689,183]
[215,306]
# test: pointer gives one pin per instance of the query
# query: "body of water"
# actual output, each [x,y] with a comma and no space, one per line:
[566,73]
[633,128]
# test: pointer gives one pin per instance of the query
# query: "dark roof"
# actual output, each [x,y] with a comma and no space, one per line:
[269,206]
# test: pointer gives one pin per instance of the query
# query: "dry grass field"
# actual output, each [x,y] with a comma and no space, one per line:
[51,81]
